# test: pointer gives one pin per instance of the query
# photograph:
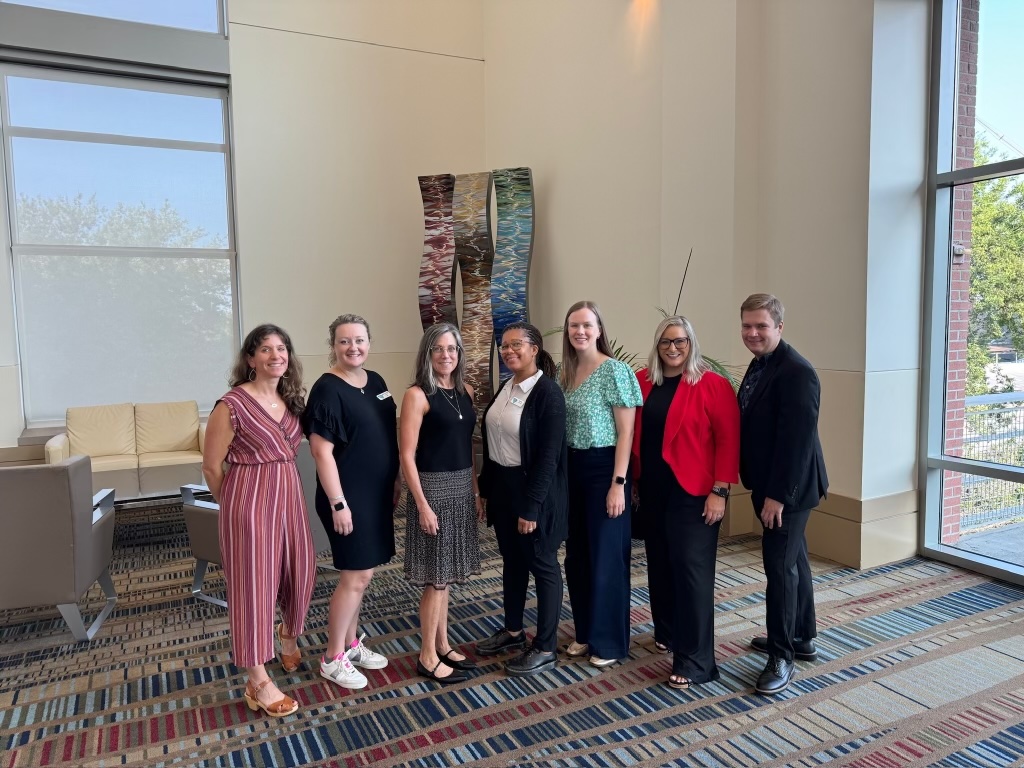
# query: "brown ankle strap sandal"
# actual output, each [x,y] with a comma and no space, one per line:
[280,708]
[289,661]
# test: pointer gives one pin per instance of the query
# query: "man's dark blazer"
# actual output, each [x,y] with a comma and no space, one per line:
[545,458]
[780,453]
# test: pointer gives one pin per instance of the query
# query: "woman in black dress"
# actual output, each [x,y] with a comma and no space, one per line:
[443,505]
[350,421]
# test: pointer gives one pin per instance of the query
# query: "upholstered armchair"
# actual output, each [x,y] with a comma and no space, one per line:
[58,540]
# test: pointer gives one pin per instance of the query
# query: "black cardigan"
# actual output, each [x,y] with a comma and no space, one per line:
[544,462]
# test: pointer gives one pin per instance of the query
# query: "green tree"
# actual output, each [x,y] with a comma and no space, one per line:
[997,271]
[79,220]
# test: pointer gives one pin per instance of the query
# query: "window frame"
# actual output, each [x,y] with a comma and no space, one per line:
[62,45]
[943,179]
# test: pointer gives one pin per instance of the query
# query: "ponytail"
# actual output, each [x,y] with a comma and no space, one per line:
[546,363]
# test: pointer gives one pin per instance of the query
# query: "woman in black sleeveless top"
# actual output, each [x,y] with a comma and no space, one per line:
[443,503]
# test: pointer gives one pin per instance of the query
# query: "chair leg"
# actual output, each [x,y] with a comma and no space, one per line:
[197,585]
[73,615]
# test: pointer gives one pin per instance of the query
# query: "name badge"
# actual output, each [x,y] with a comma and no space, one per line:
[517,402]
[384,395]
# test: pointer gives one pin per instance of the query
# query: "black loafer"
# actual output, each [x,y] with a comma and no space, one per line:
[457,676]
[501,642]
[532,662]
[464,664]
[802,649]
[776,677]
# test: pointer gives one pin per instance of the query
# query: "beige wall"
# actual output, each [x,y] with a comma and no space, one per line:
[337,108]
[776,139]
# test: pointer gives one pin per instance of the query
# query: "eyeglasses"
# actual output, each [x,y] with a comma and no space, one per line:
[515,346]
[679,343]
[450,350]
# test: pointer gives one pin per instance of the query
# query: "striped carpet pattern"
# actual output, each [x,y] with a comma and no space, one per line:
[920,664]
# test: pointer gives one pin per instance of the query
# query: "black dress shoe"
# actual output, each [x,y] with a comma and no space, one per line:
[500,642]
[464,664]
[776,677]
[457,676]
[531,662]
[802,649]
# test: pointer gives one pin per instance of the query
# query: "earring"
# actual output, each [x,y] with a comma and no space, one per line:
[286,376]
[252,374]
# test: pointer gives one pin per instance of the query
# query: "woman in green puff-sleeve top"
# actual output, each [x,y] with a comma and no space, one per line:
[601,394]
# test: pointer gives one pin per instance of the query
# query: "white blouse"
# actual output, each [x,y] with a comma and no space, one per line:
[503,422]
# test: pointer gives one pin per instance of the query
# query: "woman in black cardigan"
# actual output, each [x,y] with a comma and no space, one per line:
[525,484]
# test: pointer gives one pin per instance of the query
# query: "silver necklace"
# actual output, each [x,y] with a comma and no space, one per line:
[342,377]
[453,401]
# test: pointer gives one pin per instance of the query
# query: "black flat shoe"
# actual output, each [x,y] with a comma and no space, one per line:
[457,676]
[802,649]
[776,677]
[531,663]
[501,641]
[462,664]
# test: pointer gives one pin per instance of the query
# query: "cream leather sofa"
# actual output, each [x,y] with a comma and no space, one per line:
[145,449]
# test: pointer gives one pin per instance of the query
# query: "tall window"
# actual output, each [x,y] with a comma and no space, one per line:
[121,238]
[197,15]
[974,406]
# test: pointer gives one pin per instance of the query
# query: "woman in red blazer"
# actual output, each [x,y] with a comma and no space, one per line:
[686,453]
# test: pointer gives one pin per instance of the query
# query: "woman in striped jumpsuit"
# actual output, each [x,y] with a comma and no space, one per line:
[266,546]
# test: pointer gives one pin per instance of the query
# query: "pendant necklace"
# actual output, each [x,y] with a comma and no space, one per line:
[453,401]
[342,377]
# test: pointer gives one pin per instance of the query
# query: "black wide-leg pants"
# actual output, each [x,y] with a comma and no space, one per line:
[597,555]
[681,553]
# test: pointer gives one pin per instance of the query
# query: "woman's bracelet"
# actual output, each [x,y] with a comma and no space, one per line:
[336,498]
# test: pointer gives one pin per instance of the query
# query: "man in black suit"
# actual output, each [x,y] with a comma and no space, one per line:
[782,465]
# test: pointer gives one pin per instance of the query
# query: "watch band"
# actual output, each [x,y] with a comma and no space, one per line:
[720,490]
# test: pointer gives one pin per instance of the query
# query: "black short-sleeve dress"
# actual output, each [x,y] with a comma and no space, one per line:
[360,422]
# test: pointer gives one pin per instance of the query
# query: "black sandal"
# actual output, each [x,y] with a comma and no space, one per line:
[463,665]
[457,676]
[660,647]
[679,682]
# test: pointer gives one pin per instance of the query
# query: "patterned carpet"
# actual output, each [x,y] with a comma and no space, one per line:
[920,664]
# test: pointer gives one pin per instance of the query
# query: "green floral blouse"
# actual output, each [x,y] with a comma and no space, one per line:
[589,418]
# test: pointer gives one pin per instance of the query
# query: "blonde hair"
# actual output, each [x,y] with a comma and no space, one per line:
[570,358]
[693,368]
[332,356]
[756,301]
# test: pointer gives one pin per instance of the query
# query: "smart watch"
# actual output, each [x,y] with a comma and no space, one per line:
[722,491]
[339,506]
[620,480]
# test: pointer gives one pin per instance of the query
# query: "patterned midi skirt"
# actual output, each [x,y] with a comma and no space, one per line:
[453,555]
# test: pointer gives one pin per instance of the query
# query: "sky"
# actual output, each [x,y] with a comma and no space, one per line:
[1000,71]
[201,15]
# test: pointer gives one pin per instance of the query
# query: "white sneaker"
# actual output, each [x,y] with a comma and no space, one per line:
[341,671]
[363,657]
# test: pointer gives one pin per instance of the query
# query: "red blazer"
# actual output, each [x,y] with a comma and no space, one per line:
[702,433]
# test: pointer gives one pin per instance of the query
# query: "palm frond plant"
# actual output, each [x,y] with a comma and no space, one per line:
[716,365]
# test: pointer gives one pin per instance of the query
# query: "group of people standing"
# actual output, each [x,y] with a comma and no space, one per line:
[570,454]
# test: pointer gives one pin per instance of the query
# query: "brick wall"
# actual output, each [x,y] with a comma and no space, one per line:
[960,268]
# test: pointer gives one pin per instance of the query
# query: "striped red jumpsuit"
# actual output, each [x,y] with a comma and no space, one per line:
[265,543]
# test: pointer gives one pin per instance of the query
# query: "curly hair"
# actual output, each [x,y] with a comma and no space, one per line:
[289,386]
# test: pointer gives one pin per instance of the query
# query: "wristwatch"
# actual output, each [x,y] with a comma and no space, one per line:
[339,506]
[620,480]
[722,491]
